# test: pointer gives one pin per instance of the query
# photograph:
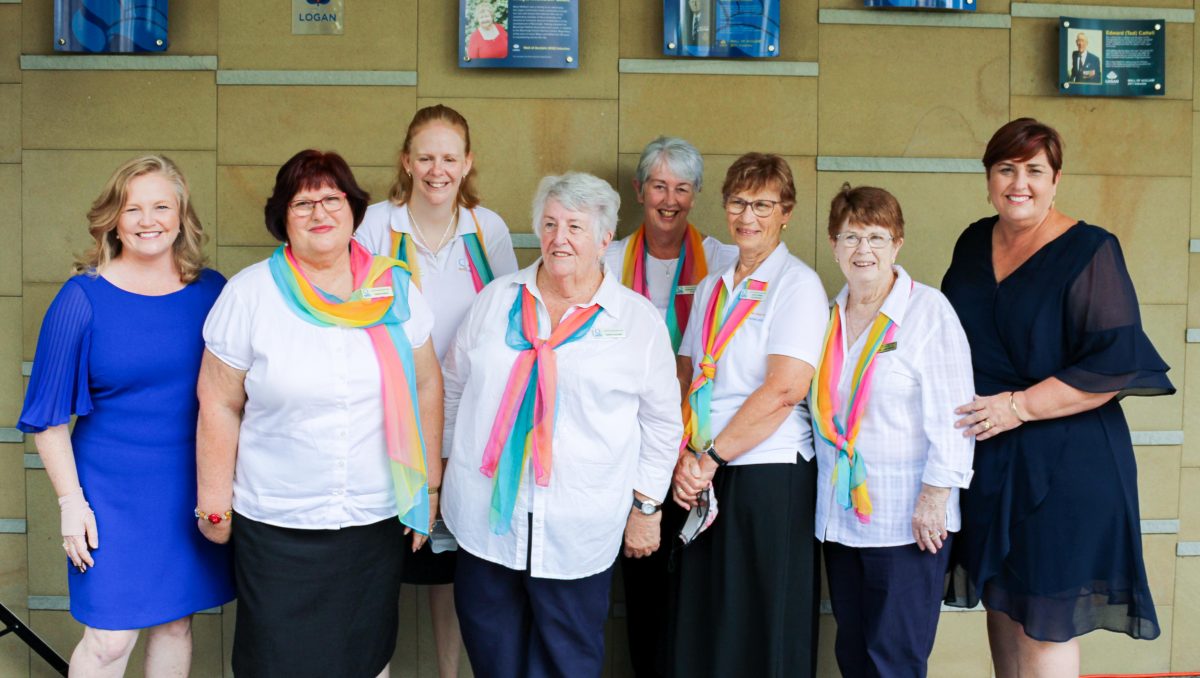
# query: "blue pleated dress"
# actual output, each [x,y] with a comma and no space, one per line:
[127,364]
[1051,531]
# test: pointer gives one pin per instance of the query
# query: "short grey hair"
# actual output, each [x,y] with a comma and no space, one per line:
[680,157]
[579,192]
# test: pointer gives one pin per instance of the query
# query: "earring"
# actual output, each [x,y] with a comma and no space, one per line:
[785,225]
[836,260]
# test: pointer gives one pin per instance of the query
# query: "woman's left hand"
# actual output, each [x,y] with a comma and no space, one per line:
[929,518]
[987,416]
[692,475]
[418,539]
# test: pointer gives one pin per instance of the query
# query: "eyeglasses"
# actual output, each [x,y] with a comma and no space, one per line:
[331,203]
[761,208]
[875,240]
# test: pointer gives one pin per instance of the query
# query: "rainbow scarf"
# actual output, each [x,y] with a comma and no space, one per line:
[403,249]
[690,270]
[379,305]
[719,328]
[524,424]
[849,472]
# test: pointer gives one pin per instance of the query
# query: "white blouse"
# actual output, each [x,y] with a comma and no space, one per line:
[907,436]
[617,430]
[660,273]
[311,449]
[445,277]
[790,321]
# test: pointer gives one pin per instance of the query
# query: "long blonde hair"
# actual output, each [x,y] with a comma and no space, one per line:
[106,212]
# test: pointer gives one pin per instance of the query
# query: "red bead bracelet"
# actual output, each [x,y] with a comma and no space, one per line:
[213,518]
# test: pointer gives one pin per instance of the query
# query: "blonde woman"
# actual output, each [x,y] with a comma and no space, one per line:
[120,348]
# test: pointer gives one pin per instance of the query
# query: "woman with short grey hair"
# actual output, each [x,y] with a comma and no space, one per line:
[663,260]
[571,380]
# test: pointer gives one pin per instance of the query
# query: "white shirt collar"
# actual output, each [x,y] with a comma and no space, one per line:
[607,295]
[896,303]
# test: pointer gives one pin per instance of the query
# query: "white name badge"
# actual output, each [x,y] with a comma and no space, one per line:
[377,292]
[754,295]
[608,334]
[685,289]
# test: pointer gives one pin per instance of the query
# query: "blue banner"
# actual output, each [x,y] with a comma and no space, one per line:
[721,28]
[518,33]
[957,5]
[110,26]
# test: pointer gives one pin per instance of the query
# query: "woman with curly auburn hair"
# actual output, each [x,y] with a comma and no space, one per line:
[120,349]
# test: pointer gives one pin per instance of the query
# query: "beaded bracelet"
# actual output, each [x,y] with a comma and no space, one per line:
[213,518]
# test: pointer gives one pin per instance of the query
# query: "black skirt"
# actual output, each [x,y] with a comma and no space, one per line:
[426,568]
[316,602]
[747,590]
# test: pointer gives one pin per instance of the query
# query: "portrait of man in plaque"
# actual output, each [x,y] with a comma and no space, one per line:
[1084,64]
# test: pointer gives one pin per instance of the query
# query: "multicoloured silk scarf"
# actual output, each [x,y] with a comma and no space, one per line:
[850,471]
[403,249]
[719,328]
[690,270]
[524,424]
[379,305]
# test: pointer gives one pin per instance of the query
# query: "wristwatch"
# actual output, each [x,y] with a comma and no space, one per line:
[711,451]
[647,508]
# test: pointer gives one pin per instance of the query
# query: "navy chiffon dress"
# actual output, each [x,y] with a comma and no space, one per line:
[1051,533]
[127,364]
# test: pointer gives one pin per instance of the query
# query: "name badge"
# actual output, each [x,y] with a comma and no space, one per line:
[377,292]
[685,289]
[887,347]
[754,295]
[608,334]
[462,264]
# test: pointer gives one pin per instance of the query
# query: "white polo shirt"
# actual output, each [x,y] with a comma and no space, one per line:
[445,277]
[660,273]
[907,436]
[790,321]
[311,449]
[617,429]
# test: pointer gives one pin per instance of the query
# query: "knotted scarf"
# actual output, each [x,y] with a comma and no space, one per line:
[524,424]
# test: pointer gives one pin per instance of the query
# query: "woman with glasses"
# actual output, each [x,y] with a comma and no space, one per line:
[891,463]
[1051,537]
[119,349]
[321,389]
[748,585]
[432,221]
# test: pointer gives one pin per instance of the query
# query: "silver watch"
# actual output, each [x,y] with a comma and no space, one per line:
[647,507]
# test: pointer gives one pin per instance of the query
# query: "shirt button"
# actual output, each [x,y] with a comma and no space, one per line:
[337,492]
[342,433]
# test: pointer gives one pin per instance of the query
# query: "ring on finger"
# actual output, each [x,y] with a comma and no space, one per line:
[987,424]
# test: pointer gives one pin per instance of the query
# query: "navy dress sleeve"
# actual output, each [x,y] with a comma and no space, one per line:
[1108,350]
[58,387]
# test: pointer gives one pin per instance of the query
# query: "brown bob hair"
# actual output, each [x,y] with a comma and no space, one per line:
[106,212]
[865,206]
[307,170]
[755,171]
[402,186]
[1020,140]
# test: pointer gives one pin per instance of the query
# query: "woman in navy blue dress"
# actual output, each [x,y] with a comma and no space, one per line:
[120,348]
[1051,536]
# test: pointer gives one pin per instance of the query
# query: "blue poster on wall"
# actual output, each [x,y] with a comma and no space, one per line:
[110,25]
[959,5]
[721,28]
[518,33]
[1112,57]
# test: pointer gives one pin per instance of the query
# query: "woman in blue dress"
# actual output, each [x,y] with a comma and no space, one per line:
[1051,536]
[120,348]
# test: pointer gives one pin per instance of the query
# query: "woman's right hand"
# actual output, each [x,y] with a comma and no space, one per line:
[217,533]
[78,529]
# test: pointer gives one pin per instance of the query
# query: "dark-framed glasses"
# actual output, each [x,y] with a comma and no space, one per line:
[876,241]
[332,203]
[761,208]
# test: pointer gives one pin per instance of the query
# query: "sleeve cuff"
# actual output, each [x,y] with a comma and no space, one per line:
[940,476]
